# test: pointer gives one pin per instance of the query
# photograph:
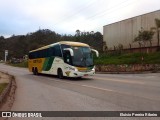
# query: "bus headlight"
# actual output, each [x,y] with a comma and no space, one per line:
[75,69]
[93,69]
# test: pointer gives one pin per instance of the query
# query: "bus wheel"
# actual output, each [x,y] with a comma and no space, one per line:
[35,72]
[60,73]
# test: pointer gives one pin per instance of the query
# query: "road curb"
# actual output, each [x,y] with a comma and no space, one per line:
[137,72]
[10,87]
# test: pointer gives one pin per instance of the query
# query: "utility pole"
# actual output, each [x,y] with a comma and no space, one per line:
[6,54]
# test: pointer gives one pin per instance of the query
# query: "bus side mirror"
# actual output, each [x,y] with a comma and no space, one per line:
[70,50]
[97,53]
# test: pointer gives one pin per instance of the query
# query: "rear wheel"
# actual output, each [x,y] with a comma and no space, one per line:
[60,73]
[35,72]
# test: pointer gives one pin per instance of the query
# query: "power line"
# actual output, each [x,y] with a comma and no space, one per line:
[109,11]
[100,26]
[97,14]
[75,13]
[100,15]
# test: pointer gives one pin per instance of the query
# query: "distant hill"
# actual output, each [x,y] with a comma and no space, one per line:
[20,45]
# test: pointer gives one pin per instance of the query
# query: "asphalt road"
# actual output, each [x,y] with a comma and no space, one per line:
[102,92]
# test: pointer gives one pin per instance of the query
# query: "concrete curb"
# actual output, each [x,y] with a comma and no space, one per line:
[136,72]
[7,90]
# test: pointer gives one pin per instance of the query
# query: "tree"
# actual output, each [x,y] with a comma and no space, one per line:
[20,45]
[98,41]
[92,32]
[120,48]
[2,38]
[144,36]
[78,32]
[2,46]
[157,29]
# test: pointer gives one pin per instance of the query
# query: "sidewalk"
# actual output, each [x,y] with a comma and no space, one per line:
[4,78]
[136,72]
[7,95]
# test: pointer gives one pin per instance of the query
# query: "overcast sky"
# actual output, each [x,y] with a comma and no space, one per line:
[66,16]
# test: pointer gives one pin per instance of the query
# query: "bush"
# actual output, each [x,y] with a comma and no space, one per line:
[130,58]
[22,64]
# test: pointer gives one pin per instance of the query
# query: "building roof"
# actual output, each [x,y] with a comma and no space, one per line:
[74,43]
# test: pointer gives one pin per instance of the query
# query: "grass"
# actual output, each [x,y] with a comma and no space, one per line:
[22,64]
[3,86]
[117,59]
[131,58]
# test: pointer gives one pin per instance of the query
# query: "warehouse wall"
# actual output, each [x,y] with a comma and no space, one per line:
[125,31]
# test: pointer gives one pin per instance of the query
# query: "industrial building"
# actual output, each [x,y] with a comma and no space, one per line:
[125,31]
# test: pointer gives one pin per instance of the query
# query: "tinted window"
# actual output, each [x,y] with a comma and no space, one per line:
[57,50]
[53,51]
[67,57]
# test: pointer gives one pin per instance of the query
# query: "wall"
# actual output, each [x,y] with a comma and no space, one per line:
[124,32]
[128,68]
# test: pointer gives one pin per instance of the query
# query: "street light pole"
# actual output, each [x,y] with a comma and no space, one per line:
[6,54]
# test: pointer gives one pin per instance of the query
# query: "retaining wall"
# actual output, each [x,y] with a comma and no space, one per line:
[128,68]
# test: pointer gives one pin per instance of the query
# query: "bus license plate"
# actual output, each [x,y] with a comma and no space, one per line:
[85,74]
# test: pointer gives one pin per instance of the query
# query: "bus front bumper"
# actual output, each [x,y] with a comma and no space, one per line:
[82,74]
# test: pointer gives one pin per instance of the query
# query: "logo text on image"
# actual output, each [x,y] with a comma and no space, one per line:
[6,114]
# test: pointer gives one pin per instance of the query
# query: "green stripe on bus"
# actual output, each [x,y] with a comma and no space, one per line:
[48,63]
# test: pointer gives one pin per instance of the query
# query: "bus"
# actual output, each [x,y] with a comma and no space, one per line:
[64,59]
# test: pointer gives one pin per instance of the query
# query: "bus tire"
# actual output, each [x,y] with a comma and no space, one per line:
[60,73]
[35,71]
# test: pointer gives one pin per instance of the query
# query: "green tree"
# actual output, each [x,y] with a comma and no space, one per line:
[92,32]
[78,32]
[20,45]
[2,46]
[120,48]
[144,36]
[157,29]
[98,41]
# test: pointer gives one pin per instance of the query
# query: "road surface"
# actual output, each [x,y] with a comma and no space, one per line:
[102,92]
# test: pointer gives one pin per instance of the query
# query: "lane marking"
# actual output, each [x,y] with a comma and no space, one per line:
[103,89]
[98,88]
[83,85]
[94,87]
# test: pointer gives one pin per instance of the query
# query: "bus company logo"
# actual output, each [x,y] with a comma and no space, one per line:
[67,73]
[6,114]
[37,61]
[21,114]
[58,60]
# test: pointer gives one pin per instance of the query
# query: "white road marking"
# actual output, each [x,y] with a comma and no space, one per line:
[98,88]
[84,85]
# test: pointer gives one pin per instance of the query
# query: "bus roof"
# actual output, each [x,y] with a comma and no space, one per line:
[74,43]
[62,42]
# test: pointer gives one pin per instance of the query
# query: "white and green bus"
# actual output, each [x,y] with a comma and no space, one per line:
[70,59]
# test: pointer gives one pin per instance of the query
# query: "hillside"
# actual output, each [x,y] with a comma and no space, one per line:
[20,45]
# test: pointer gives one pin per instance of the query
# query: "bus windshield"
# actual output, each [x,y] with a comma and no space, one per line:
[82,57]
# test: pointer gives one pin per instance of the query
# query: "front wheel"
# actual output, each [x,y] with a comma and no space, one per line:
[60,73]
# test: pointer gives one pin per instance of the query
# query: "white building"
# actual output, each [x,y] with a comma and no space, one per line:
[124,32]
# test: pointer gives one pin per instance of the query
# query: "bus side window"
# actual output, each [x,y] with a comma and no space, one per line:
[67,57]
[57,51]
